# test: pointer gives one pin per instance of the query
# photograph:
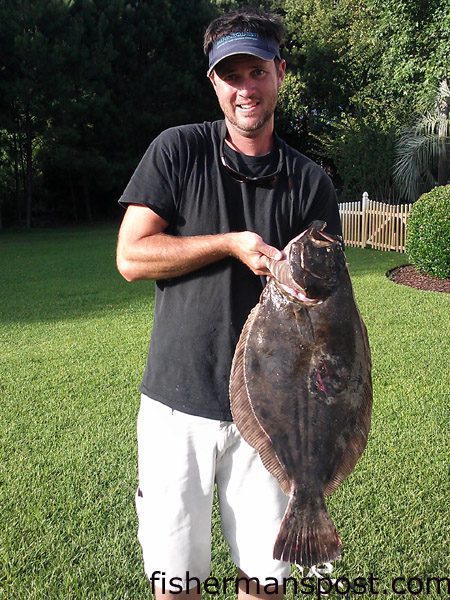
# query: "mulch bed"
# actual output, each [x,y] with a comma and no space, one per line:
[409,275]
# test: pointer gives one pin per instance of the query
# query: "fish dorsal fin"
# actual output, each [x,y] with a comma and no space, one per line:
[243,414]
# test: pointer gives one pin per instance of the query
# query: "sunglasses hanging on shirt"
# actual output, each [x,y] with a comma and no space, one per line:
[266,181]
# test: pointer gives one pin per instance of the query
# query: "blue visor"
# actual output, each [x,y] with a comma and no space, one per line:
[243,42]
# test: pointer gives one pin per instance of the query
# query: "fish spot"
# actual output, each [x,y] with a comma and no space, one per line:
[328,377]
[264,413]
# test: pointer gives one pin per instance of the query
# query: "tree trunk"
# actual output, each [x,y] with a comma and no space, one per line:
[87,198]
[21,168]
[29,168]
[74,199]
[17,198]
[443,138]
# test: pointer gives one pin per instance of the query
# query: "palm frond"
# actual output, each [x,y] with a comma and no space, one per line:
[419,147]
[414,157]
[433,123]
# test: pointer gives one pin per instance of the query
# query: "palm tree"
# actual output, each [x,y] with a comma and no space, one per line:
[422,157]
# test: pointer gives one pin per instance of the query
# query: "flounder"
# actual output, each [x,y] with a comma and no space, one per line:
[301,390]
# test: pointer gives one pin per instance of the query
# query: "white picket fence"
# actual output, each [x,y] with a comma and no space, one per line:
[376,224]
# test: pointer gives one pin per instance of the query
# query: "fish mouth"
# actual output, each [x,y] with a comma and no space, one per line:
[322,238]
[281,273]
[281,270]
[297,294]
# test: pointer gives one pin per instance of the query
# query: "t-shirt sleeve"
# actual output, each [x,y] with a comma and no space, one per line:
[155,182]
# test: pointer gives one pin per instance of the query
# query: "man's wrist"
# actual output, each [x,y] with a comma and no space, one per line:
[231,244]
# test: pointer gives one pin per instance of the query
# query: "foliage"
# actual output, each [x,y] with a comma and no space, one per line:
[292,113]
[363,156]
[84,88]
[366,67]
[31,80]
[86,84]
[428,233]
[422,155]
[403,54]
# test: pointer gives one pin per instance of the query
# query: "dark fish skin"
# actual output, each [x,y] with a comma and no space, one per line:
[301,391]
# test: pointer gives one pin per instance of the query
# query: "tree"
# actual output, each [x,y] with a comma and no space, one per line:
[86,85]
[422,157]
[29,81]
[75,153]
[365,66]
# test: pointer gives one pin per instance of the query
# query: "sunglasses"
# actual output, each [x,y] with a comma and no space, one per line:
[266,181]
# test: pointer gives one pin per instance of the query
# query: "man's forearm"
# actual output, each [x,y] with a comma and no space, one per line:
[163,256]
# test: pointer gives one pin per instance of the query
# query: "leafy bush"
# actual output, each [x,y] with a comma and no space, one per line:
[428,234]
[363,155]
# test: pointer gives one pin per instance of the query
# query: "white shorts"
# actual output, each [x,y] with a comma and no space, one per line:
[180,459]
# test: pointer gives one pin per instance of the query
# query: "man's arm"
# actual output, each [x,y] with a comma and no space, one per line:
[144,251]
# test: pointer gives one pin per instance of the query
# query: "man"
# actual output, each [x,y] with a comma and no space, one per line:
[205,208]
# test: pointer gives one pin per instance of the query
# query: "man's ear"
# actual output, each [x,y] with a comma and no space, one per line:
[211,77]
[281,71]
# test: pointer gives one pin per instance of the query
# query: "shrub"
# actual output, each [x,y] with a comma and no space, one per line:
[428,233]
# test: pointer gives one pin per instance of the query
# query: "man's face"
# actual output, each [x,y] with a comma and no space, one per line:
[247,90]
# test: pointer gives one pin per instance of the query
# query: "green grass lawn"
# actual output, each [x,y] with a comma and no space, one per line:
[74,337]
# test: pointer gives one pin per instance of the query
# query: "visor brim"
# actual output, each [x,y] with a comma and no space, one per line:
[259,54]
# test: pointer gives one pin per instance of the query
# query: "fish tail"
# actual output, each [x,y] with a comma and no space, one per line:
[307,534]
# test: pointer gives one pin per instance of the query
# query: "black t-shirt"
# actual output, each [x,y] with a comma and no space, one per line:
[198,317]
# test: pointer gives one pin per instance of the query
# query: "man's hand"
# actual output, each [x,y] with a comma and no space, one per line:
[251,249]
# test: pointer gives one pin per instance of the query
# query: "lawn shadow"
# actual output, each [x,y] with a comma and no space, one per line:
[64,274]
